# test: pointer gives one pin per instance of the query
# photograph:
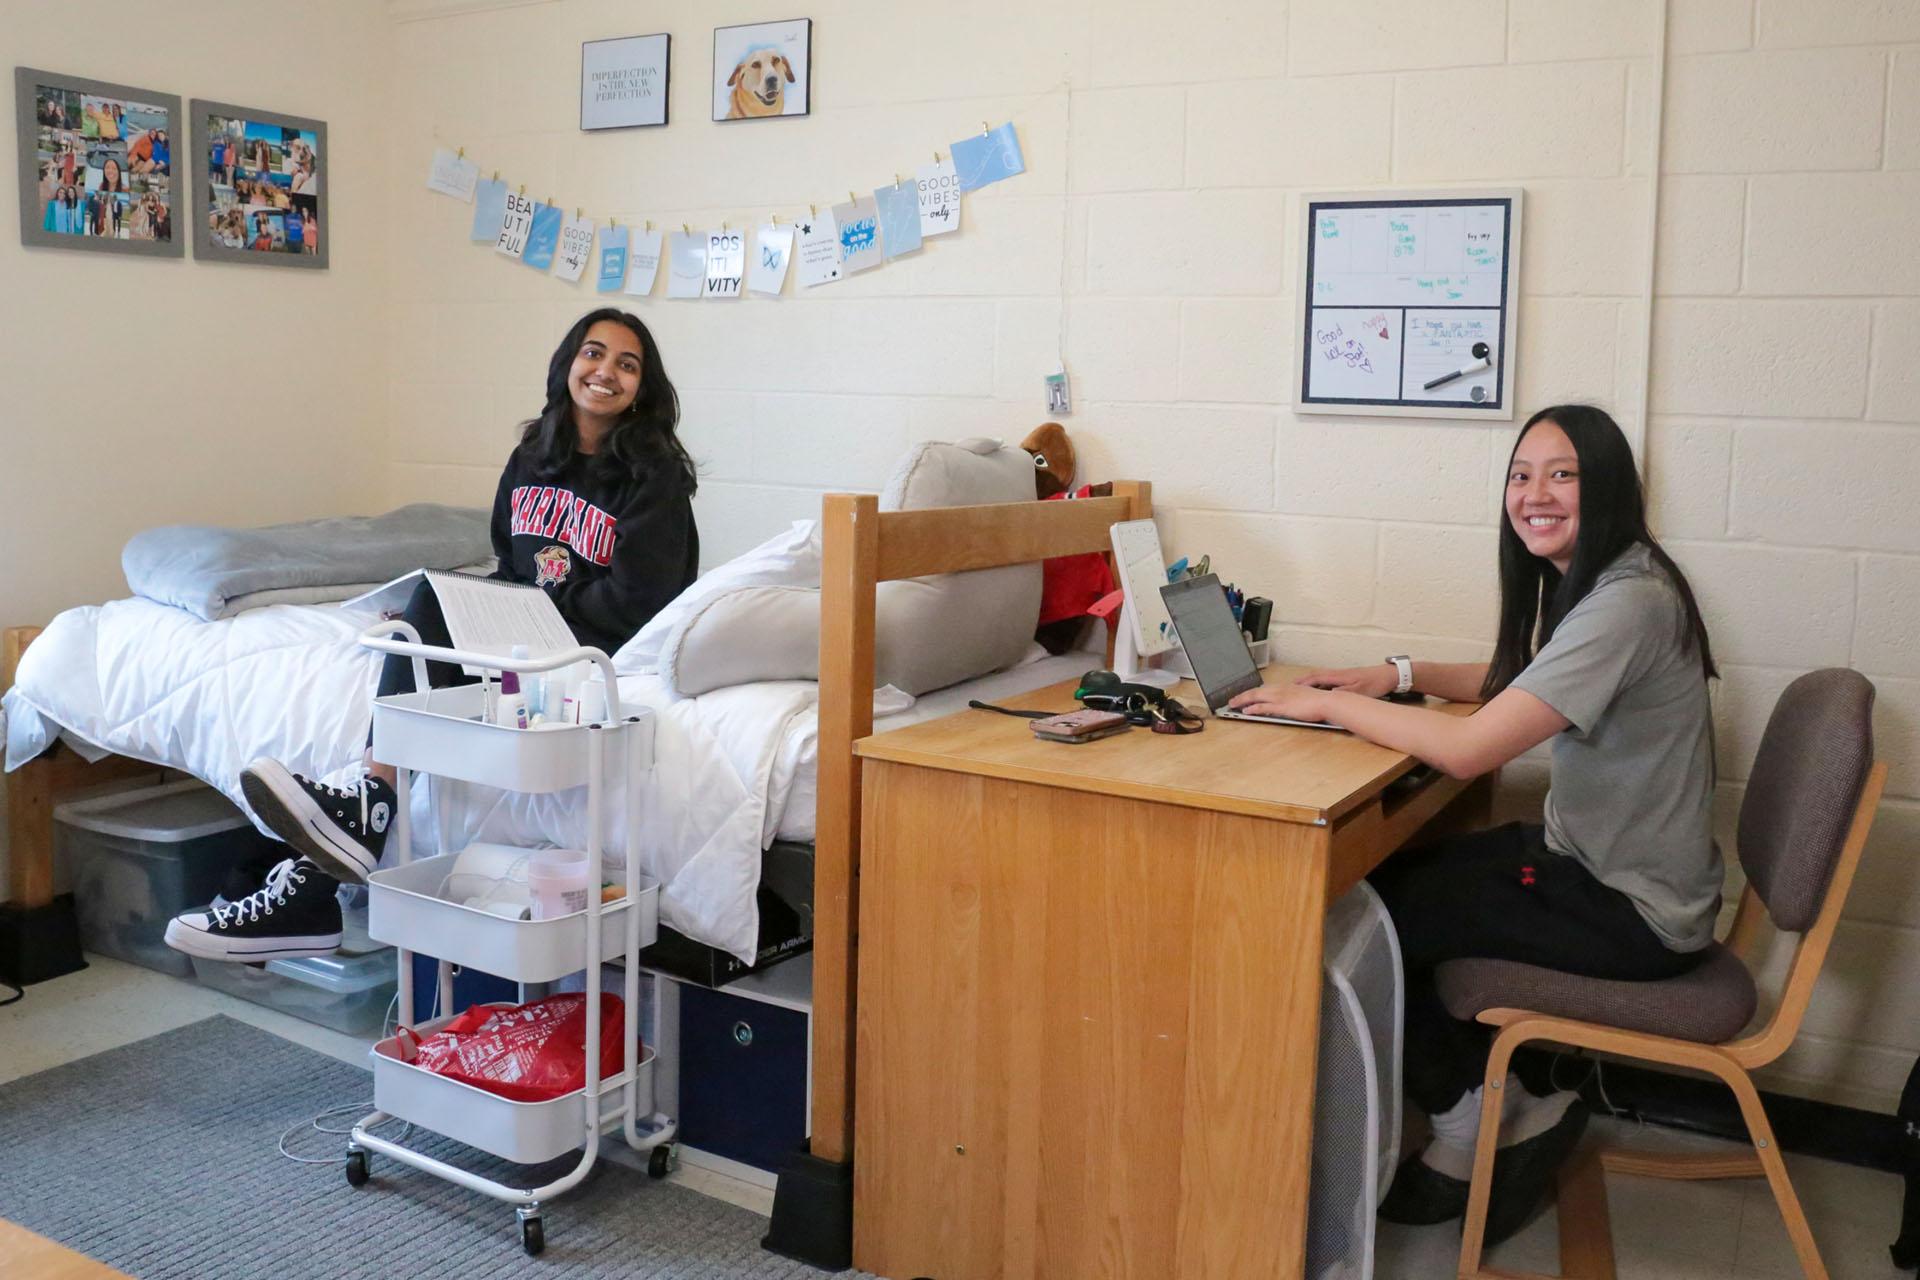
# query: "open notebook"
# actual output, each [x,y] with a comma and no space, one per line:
[484,615]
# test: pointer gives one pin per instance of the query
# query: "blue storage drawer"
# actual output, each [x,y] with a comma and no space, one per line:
[743,1077]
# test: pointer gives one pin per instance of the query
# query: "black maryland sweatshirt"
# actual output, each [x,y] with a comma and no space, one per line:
[609,550]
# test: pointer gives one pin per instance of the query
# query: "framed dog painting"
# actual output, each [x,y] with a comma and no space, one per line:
[762,69]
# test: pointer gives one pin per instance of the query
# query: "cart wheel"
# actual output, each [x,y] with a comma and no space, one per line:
[658,1161]
[356,1168]
[533,1237]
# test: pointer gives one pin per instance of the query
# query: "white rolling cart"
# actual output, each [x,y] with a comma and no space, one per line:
[442,734]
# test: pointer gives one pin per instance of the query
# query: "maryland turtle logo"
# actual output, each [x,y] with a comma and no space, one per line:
[551,564]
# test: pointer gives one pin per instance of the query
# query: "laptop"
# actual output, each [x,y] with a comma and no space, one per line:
[1222,663]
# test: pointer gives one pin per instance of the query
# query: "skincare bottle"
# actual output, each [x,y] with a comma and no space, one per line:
[512,708]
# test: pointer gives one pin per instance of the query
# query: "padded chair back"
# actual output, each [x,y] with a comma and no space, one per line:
[1802,793]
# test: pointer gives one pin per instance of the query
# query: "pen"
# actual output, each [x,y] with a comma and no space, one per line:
[1483,359]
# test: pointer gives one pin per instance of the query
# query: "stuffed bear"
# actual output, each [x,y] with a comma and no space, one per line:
[1073,583]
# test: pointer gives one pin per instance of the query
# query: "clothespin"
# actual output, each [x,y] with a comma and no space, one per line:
[549,201]
[852,198]
[896,182]
[984,131]
[936,157]
[578,213]
[685,228]
[649,224]
[461,154]
[523,188]
[611,223]
[496,175]
[814,210]
[776,218]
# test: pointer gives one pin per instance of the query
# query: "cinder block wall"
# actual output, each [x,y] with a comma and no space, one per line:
[1152,241]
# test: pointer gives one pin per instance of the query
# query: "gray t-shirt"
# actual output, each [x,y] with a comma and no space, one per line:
[1632,789]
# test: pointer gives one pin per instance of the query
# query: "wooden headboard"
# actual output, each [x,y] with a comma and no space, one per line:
[864,547]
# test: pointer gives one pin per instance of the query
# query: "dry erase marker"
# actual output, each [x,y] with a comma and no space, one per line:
[1482,359]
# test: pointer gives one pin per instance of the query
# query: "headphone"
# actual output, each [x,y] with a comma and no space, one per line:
[1141,704]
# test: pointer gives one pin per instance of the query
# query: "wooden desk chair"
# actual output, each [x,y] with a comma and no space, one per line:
[1808,807]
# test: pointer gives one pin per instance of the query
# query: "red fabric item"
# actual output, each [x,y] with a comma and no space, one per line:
[1073,584]
[533,1052]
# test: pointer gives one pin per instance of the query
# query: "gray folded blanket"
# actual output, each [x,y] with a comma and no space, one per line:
[216,573]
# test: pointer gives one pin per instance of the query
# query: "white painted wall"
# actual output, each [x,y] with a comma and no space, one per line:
[1152,241]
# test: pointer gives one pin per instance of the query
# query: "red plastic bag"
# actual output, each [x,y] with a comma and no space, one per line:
[532,1052]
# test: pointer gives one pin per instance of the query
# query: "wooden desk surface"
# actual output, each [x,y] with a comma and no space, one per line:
[1261,770]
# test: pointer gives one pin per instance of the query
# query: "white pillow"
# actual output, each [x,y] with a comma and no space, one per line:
[928,632]
[791,558]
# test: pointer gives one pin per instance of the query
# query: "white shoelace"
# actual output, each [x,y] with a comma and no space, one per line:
[348,792]
[263,900]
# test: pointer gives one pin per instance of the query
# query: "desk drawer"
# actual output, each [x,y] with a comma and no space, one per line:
[743,1077]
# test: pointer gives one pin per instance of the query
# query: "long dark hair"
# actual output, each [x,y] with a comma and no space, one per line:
[1535,596]
[641,438]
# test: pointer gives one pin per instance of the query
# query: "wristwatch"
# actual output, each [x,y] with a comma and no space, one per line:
[1404,665]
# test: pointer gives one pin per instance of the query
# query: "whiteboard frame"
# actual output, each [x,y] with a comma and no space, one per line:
[1514,198]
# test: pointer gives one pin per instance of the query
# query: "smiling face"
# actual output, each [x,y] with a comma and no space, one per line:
[1543,494]
[604,378]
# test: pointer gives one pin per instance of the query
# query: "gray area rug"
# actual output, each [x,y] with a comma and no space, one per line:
[160,1158]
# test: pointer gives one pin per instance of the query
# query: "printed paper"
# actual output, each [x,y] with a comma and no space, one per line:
[939,198]
[643,262]
[515,226]
[819,252]
[543,240]
[613,260]
[489,209]
[451,175]
[987,157]
[726,263]
[772,252]
[859,224]
[899,206]
[686,264]
[576,246]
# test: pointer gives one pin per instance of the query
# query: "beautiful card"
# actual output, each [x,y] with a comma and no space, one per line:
[516,226]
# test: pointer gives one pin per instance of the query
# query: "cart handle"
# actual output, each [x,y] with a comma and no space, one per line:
[378,636]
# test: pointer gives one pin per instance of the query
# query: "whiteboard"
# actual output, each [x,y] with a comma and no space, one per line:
[1143,571]
[1408,303]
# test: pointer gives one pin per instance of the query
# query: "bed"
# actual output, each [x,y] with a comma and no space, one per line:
[863,547]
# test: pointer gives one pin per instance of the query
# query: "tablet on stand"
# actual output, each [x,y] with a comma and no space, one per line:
[1144,628]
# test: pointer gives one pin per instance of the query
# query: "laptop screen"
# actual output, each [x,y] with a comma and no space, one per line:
[1222,663]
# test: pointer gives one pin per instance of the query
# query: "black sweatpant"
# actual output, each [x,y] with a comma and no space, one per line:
[396,673]
[1501,895]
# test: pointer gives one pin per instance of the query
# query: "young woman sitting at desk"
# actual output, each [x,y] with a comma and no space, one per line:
[1601,649]
[595,507]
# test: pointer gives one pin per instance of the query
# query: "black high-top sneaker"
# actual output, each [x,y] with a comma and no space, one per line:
[341,828]
[293,914]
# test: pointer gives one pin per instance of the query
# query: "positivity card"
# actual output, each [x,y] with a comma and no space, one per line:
[515,226]
[726,263]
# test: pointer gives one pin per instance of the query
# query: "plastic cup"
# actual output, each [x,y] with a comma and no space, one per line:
[557,883]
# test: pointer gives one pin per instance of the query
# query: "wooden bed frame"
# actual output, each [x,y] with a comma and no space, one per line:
[863,547]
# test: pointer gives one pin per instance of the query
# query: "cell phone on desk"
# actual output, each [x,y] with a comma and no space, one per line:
[1079,726]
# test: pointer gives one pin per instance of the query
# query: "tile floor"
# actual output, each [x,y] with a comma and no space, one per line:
[1662,1231]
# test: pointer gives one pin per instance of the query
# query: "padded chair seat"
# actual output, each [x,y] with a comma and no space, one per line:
[1710,1003]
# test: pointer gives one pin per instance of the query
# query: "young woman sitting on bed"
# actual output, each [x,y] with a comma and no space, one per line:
[1602,650]
[595,507]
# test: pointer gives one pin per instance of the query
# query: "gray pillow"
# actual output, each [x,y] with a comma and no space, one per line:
[928,632]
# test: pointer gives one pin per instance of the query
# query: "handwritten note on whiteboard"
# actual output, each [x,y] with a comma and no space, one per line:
[1397,290]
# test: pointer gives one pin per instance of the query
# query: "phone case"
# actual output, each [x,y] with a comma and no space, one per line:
[1071,738]
[1074,726]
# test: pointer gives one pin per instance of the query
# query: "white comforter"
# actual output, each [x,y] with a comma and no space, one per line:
[144,680]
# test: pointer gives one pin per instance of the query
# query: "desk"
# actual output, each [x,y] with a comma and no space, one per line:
[32,1257]
[1090,989]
